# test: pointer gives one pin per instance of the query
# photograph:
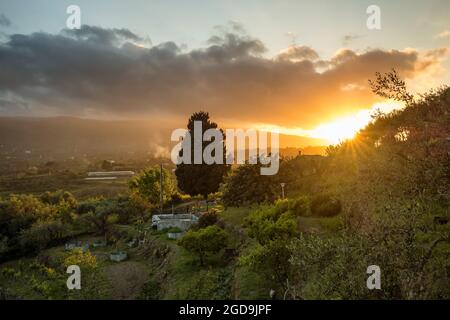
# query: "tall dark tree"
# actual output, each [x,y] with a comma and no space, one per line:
[203,179]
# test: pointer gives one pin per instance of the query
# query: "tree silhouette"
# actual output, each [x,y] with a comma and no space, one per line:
[203,179]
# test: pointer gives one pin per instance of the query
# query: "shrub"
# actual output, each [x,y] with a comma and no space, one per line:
[8,272]
[150,291]
[82,259]
[268,223]
[173,230]
[40,235]
[207,219]
[281,206]
[87,206]
[300,206]
[204,241]
[57,197]
[325,205]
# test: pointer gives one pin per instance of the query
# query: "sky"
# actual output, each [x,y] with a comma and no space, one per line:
[299,66]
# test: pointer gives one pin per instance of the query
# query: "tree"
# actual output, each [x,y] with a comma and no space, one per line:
[391,86]
[204,241]
[102,218]
[203,179]
[270,260]
[41,235]
[207,219]
[245,185]
[148,184]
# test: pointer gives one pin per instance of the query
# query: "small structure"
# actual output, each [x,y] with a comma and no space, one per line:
[109,175]
[175,235]
[98,244]
[76,245]
[118,256]
[133,243]
[181,221]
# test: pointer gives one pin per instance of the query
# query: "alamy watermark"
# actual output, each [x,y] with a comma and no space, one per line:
[374,280]
[74,19]
[74,280]
[374,20]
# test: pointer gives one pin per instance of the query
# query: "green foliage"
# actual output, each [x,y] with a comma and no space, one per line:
[325,205]
[150,291]
[204,241]
[300,206]
[273,227]
[102,219]
[330,268]
[29,223]
[41,235]
[148,184]
[207,285]
[207,219]
[271,222]
[172,230]
[270,259]
[245,185]
[10,273]
[85,260]
[57,197]
[200,179]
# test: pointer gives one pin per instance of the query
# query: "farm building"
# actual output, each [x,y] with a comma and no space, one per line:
[182,221]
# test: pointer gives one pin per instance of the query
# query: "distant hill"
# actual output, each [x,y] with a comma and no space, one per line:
[67,136]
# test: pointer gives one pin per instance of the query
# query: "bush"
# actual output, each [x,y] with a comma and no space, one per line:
[41,235]
[150,291]
[204,241]
[207,219]
[245,185]
[270,223]
[281,206]
[173,230]
[57,197]
[300,206]
[325,205]
[82,259]
[8,272]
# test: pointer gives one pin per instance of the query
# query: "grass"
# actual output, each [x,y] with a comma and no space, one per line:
[235,215]
[320,225]
[174,274]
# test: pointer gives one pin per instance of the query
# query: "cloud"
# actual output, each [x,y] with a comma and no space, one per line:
[443,34]
[104,72]
[298,53]
[4,21]
[111,37]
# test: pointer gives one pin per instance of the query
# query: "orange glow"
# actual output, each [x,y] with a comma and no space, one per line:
[340,129]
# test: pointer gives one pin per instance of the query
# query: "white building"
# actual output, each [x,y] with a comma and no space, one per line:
[181,221]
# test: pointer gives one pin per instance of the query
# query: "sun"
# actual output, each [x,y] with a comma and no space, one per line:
[341,129]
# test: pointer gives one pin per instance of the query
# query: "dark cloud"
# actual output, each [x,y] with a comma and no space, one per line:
[4,21]
[105,71]
[102,36]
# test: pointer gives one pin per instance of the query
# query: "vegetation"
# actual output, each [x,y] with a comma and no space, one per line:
[148,184]
[204,242]
[382,198]
[201,179]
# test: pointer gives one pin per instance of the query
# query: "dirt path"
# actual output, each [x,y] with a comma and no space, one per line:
[127,279]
